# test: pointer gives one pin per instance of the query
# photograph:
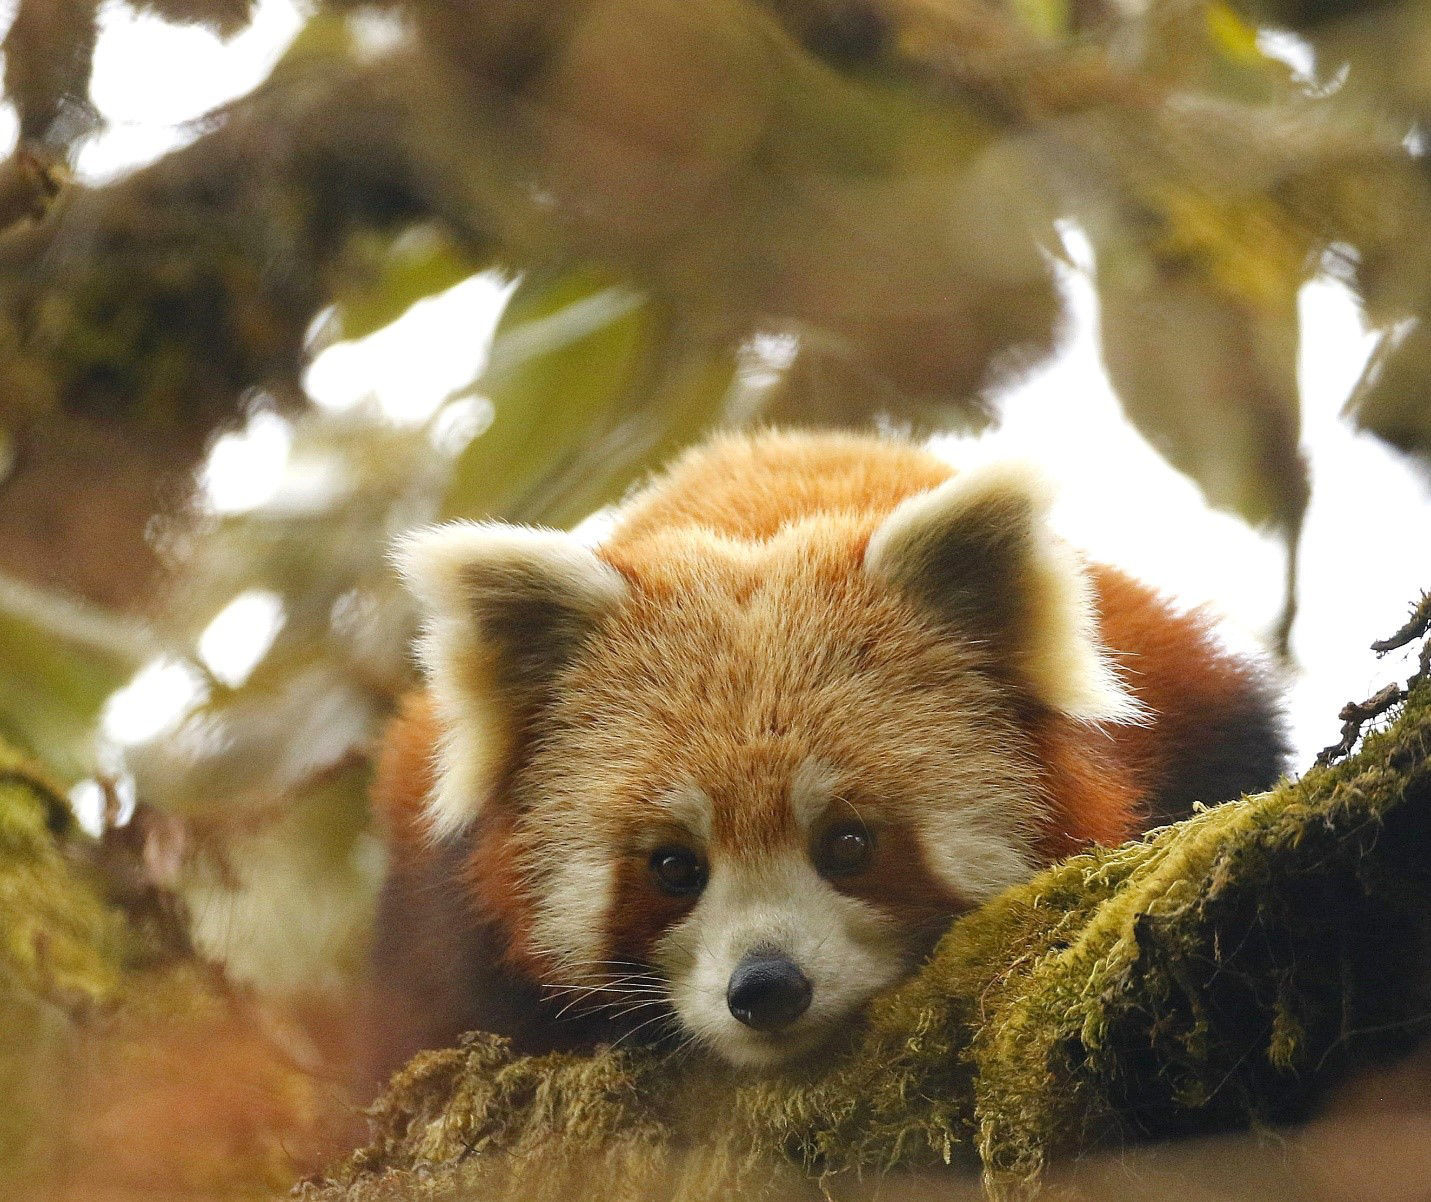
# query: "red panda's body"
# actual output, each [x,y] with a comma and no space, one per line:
[736,768]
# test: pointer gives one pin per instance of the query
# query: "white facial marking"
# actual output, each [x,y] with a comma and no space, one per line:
[973,855]
[845,947]
[690,807]
[813,785]
[448,569]
[569,923]
[1063,659]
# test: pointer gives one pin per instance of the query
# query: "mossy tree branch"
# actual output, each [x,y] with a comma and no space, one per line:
[1225,971]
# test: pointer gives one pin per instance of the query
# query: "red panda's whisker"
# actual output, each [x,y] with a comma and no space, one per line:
[627,965]
[665,1017]
[639,1006]
[599,983]
[607,1003]
[685,1049]
[622,994]
[562,1014]
[622,987]
[640,974]
[594,978]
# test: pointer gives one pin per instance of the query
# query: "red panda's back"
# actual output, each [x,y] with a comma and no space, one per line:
[749,487]
[1216,730]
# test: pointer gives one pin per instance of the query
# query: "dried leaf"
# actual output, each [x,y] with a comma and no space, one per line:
[29,182]
[1211,381]
[1393,397]
[1209,376]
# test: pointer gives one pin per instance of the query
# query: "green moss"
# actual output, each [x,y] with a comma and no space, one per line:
[61,950]
[58,938]
[126,1062]
[1220,973]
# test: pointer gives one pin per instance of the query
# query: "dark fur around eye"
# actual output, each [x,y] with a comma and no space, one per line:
[678,871]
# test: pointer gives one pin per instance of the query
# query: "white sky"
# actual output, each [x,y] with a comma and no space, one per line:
[1120,501]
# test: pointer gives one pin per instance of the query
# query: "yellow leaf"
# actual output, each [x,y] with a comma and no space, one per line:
[1232,35]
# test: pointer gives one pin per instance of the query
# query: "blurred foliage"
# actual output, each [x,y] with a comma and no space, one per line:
[61,661]
[224,16]
[709,163]
[47,59]
[400,272]
[1391,399]
[129,1069]
[586,386]
[710,212]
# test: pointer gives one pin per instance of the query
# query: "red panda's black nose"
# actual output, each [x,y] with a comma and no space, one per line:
[767,992]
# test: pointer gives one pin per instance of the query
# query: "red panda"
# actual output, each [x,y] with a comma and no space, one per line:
[728,774]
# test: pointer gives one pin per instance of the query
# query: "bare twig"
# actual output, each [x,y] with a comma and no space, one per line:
[1418,625]
[1355,714]
[70,618]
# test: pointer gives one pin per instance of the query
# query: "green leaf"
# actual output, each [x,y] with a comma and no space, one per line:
[59,662]
[567,347]
[420,263]
[592,385]
[688,394]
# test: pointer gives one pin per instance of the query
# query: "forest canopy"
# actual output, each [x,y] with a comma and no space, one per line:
[693,214]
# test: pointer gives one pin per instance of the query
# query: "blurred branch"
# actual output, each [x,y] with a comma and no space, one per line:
[28,184]
[225,17]
[142,313]
[72,620]
[712,161]
[47,64]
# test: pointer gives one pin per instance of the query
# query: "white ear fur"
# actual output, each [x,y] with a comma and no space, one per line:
[502,607]
[979,550]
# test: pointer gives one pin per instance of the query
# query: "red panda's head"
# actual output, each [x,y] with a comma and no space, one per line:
[745,784]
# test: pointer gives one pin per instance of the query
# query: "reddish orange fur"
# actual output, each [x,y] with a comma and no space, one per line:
[1097,780]
[1101,784]
[405,772]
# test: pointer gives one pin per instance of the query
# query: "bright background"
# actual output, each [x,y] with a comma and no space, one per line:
[1120,500]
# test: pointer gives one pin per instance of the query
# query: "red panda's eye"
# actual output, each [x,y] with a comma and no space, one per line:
[844,849]
[678,870]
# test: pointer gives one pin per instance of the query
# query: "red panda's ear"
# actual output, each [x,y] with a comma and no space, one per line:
[978,551]
[503,608]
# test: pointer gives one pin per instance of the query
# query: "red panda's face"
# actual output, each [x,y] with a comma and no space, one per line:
[772,783]
[760,774]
